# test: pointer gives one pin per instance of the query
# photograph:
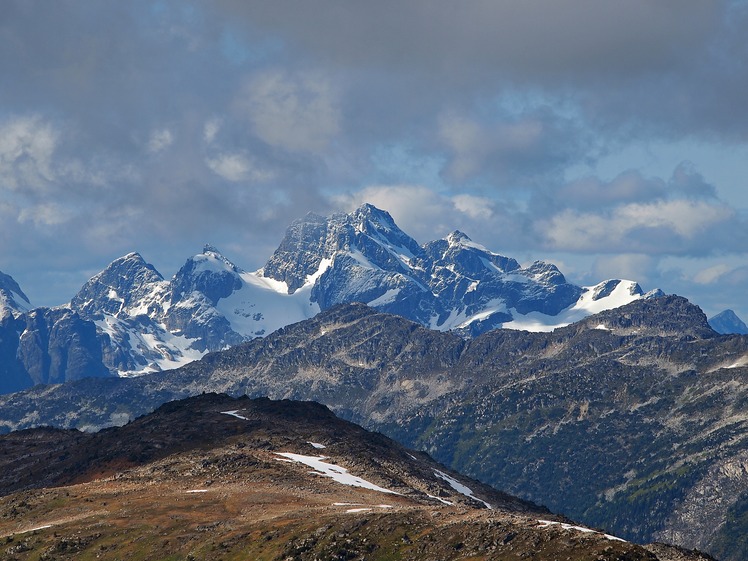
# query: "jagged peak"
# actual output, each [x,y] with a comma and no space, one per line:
[132,262]
[12,298]
[9,284]
[457,236]
[211,259]
[461,239]
[210,248]
[132,256]
[377,216]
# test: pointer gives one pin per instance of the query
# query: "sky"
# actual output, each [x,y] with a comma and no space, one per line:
[610,138]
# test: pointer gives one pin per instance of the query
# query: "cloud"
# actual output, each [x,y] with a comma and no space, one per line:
[297,113]
[27,145]
[678,227]
[46,214]
[632,266]
[477,208]
[238,167]
[159,126]
[712,274]
[591,192]
[505,39]
[211,129]
[160,140]
[525,147]
[472,144]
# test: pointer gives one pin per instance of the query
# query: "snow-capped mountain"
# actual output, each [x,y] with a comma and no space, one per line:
[145,323]
[448,284]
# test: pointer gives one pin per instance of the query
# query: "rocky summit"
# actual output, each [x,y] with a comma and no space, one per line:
[143,323]
[213,477]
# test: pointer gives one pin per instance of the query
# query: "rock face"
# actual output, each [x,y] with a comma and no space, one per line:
[58,346]
[625,420]
[215,477]
[51,346]
[145,323]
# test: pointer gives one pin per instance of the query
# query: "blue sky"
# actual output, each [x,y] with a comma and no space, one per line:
[608,137]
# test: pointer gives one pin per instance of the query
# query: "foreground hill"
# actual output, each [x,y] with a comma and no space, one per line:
[626,420]
[213,477]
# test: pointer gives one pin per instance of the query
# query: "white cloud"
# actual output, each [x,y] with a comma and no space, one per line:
[160,140]
[631,266]
[658,227]
[238,167]
[46,214]
[27,145]
[479,208]
[297,113]
[712,274]
[211,129]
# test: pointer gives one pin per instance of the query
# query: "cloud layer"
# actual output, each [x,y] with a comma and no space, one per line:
[158,126]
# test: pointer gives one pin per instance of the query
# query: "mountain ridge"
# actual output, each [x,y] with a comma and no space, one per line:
[145,323]
[642,403]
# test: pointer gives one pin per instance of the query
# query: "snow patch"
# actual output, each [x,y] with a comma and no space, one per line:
[460,488]
[234,413]
[387,298]
[263,305]
[336,473]
[317,445]
[549,523]
[35,529]
[624,293]
[445,501]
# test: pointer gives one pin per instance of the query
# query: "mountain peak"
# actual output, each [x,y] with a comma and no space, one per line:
[376,216]
[461,239]
[210,273]
[12,297]
[118,286]
[212,259]
[727,322]
[457,236]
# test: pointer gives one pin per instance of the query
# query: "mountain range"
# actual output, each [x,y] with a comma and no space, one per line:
[128,320]
[621,409]
[217,478]
[634,419]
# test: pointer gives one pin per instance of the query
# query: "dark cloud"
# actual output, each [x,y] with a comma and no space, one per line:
[473,41]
